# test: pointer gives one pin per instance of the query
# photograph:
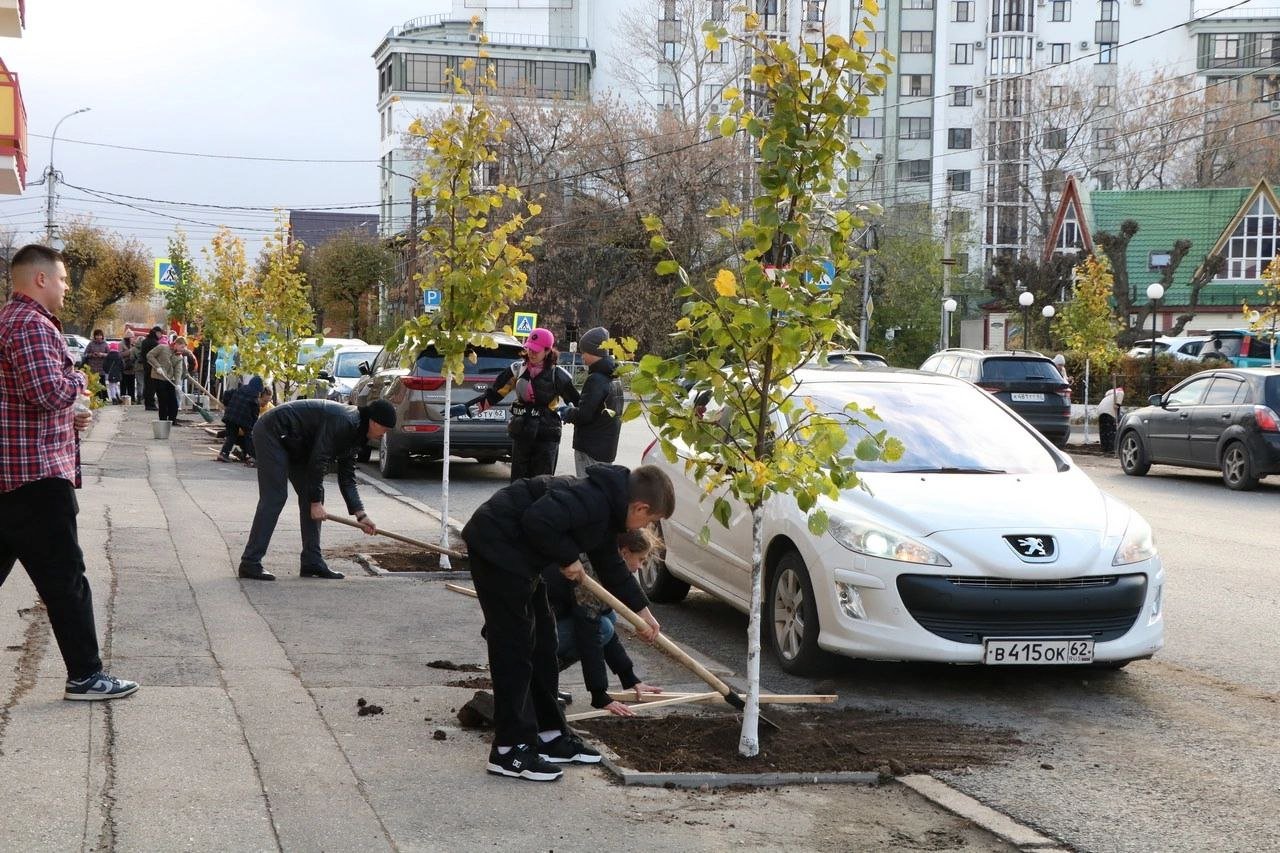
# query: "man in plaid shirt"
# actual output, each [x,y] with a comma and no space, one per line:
[40,466]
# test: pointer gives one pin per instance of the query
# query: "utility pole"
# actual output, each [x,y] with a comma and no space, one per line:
[864,323]
[51,179]
[947,262]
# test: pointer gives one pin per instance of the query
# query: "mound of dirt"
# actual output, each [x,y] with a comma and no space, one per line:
[812,740]
[477,682]
[457,667]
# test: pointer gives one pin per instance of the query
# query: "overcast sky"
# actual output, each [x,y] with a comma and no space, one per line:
[273,78]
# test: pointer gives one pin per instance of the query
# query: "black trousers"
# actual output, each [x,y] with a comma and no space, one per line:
[521,632]
[148,391]
[245,441]
[126,386]
[38,529]
[531,458]
[1107,432]
[275,473]
[167,398]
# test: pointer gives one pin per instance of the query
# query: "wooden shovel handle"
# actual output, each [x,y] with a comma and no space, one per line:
[387,533]
[662,642]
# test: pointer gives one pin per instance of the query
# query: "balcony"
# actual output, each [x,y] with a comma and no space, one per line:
[13,18]
[13,134]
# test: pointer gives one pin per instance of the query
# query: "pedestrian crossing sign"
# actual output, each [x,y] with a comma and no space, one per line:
[166,274]
[524,324]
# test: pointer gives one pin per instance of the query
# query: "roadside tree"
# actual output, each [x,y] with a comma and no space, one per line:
[104,269]
[181,300]
[762,315]
[1085,323]
[278,317]
[346,270]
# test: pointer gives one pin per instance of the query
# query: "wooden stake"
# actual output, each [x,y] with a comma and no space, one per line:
[675,700]
[465,590]
[765,698]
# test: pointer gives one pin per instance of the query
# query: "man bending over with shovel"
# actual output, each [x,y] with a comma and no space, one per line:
[295,443]
[510,538]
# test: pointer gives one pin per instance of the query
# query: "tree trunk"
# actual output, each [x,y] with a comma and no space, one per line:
[444,475]
[749,741]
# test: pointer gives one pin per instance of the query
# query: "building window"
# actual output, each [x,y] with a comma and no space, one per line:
[1106,180]
[1106,32]
[1106,96]
[1254,243]
[769,16]
[719,10]
[1070,238]
[960,137]
[813,10]
[960,221]
[1055,138]
[1226,48]
[867,128]
[917,41]
[1104,138]
[961,96]
[1107,54]
[917,4]
[668,96]
[671,50]
[1061,10]
[916,85]
[1014,19]
[1109,10]
[1057,96]
[958,180]
[1059,53]
[962,11]
[669,11]
[720,55]
[915,128]
[914,171]
[962,53]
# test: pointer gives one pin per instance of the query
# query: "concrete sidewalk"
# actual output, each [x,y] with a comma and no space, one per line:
[245,735]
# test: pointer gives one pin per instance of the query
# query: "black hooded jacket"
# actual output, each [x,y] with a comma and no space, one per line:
[597,419]
[548,520]
[316,433]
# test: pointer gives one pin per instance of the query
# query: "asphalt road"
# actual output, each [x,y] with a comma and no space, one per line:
[1174,754]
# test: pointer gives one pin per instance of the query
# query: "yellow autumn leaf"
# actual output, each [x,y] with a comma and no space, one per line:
[712,42]
[871,7]
[534,208]
[860,37]
[725,283]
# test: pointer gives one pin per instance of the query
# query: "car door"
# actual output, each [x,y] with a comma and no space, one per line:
[1169,425]
[1213,415]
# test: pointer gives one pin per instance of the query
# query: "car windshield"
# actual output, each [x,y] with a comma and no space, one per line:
[308,353]
[1230,347]
[348,363]
[945,427]
[489,361]
[1020,370]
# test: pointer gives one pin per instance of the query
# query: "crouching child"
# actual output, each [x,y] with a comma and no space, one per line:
[515,534]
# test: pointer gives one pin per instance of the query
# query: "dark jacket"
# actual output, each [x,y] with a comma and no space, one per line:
[566,605]
[597,419]
[316,433]
[548,520]
[148,344]
[242,404]
[550,386]
[113,367]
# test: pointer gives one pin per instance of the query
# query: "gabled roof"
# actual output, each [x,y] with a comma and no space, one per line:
[1073,195]
[1206,217]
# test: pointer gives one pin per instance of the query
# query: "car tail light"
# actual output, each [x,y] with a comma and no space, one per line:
[1266,418]
[1065,391]
[423,383]
[421,427]
[991,389]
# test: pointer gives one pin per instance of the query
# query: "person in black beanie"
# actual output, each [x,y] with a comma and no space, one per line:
[150,342]
[295,443]
[597,419]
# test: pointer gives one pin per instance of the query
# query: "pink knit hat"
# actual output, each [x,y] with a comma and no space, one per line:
[539,341]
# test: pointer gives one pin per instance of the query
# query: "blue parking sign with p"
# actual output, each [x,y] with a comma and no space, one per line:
[431,300]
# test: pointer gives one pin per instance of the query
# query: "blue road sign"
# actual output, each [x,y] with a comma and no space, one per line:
[524,324]
[828,275]
[431,300]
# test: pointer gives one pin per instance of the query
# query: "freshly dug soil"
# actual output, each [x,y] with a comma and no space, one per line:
[477,713]
[477,682]
[812,740]
[415,561]
[456,667]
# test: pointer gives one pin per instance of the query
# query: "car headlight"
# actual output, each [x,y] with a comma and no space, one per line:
[1138,543]
[875,541]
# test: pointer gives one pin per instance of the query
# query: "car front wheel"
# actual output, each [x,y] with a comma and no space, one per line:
[363,454]
[1133,456]
[391,463]
[658,583]
[1237,469]
[791,617]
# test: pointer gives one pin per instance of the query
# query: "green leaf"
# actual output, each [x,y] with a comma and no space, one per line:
[721,511]
[867,450]
[818,522]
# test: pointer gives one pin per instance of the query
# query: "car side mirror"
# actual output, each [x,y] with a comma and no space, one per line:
[324,374]
[1156,399]
[364,368]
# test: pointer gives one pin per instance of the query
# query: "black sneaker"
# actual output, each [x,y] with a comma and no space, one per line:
[99,686]
[568,749]
[520,762]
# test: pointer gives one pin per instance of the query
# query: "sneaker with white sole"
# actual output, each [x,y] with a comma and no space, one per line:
[521,762]
[568,749]
[99,686]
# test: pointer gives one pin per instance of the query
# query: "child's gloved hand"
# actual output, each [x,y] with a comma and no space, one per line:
[563,410]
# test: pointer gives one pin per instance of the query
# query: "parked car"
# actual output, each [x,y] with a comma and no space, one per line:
[342,370]
[1239,347]
[76,345]
[1182,348]
[1217,419]
[855,358]
[314,348]
[1027,382]
[421,408]
[982,544]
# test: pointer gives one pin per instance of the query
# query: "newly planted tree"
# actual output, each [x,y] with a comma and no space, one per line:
[1086,324]
[278,317]
[473,250]
[767,311]
[181,299]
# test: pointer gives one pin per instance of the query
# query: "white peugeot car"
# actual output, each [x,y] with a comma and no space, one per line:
[983,544]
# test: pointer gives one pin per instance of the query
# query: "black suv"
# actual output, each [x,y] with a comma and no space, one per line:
[1223,419]
[1026,382]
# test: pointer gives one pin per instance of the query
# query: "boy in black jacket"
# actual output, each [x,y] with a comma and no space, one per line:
[597,419]
[510,538]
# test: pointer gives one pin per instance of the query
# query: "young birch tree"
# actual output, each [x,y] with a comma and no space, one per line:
[763,314]
[1086,324]
[278,316]
[473,249]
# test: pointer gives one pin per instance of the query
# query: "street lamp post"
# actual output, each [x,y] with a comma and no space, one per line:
[1047,312]
[51,178]
[1025,299]
[1155,292]
[948,308]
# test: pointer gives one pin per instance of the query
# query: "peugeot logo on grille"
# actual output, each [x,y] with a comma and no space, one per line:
[1033,548]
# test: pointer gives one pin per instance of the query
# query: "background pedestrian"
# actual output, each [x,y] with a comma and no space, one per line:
[168,368]
[144,367]
[597,419]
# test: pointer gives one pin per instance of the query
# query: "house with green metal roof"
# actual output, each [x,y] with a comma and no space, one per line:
[1239,223]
